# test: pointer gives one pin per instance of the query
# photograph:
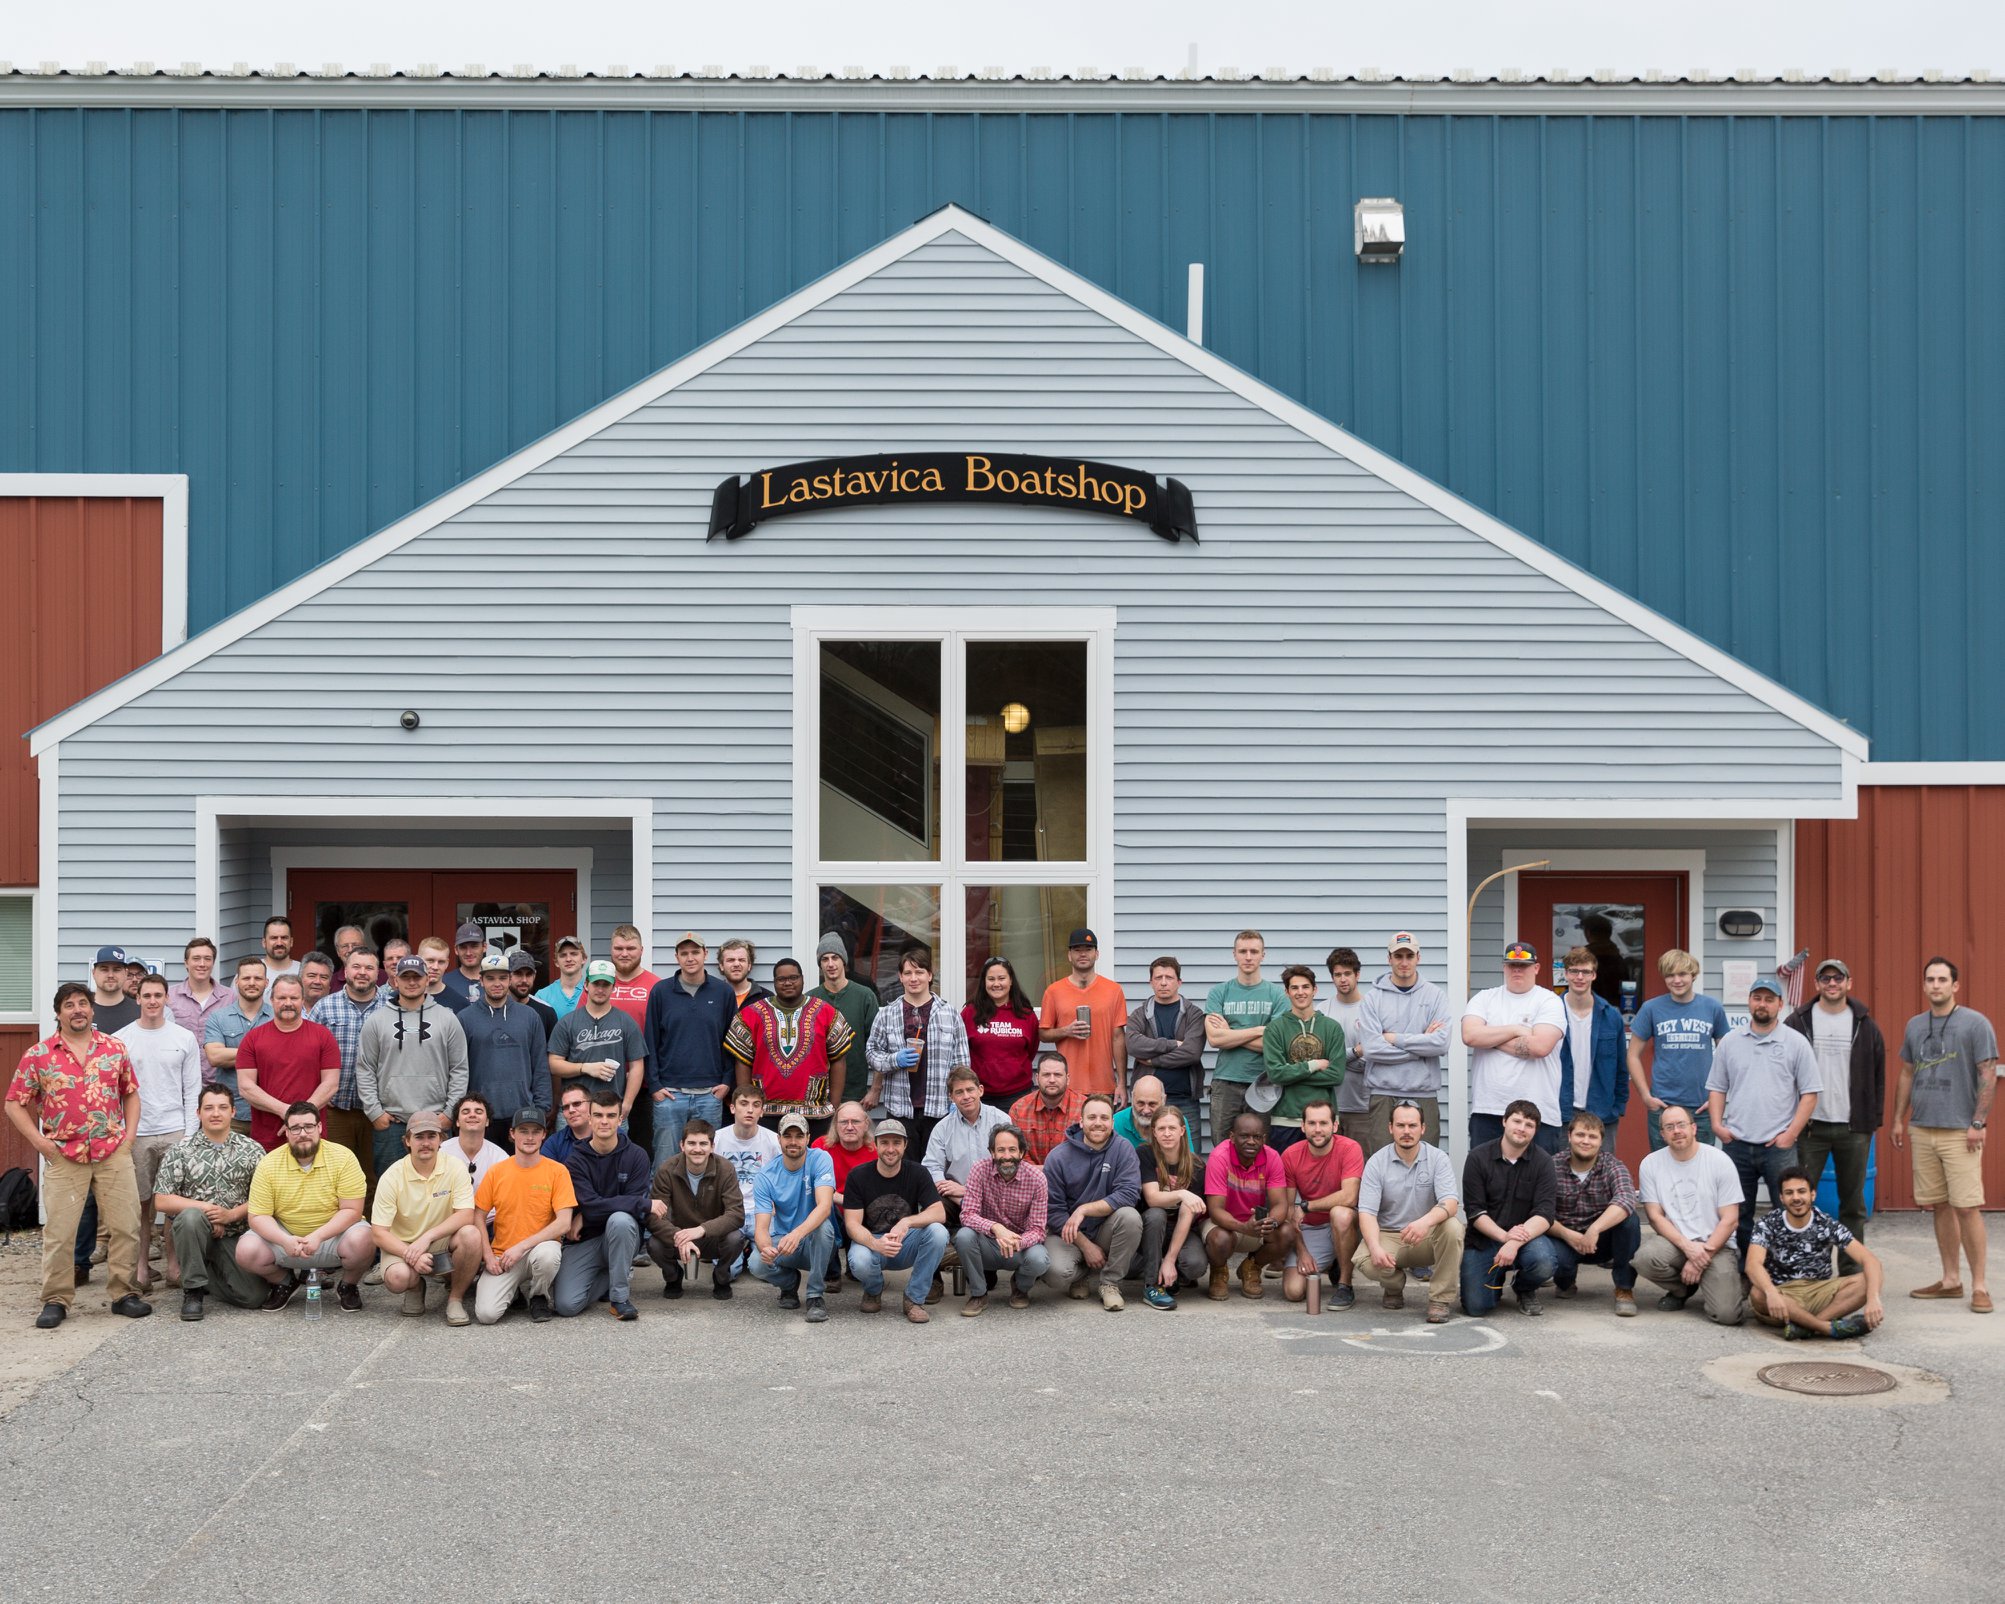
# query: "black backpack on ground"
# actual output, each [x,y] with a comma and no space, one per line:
[17,1201]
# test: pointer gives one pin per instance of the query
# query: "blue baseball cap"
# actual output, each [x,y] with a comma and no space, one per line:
[110,955]
[1767,983]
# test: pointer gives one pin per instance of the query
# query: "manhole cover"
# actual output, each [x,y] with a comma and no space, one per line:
[1827,1380]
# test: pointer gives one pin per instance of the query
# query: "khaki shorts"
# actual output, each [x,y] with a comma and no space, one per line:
[1814,1296]
[147,1152]
[1945,1170]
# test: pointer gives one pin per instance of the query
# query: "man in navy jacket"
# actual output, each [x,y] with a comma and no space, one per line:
[1601,1086]
[615,1186]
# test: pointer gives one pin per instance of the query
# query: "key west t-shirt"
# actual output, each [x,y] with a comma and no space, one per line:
[1683,1034]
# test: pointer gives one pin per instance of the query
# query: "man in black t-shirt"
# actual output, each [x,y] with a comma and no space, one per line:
[895,1221]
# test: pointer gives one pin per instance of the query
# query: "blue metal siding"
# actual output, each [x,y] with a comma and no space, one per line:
[1749,369]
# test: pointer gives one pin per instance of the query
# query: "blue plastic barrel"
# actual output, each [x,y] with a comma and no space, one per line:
[1827,1183]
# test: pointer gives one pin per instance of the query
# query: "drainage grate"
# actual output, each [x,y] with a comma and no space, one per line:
[1827,1380]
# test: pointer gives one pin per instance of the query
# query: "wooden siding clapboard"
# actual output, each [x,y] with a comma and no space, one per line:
[1294,697]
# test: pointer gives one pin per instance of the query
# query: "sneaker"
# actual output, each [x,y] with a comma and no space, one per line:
[1078,1289]
[414,1299]
[872,1302]
[1672,1302]
[1019,1299]
[349,1296]
[1849,1325]
[641,1260]
[1437,1314]
[1249,1278]
[1424,1272]
[1625,1303]
[1219,1285]
[100,1253]
[1792,1332]
[51,1316]
[1528,1303]
[974,1307]
[191,1305]
[456,1314]
[817,1312]
[1111,1299]
[1342,1295]
[790,1294]
[539,1308]
[132,1306]
[281,1294]
[373,1276]
[1564,1289]
[720,1284]
[916,1312]
[623,1309]
[1157,1298]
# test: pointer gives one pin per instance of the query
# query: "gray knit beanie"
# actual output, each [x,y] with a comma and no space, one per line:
[832,943]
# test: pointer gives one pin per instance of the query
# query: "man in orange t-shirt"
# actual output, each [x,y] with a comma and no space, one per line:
[1096,1047]
[531,1199]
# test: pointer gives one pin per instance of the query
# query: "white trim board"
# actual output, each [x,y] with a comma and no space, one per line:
[577,859]
[1931,774]
[952,219]
[171,489]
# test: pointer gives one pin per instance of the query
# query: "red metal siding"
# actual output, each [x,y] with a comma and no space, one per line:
[1913,876]
[79,607]
[14,1149]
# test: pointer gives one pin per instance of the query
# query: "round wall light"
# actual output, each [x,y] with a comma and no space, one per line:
[1016,718]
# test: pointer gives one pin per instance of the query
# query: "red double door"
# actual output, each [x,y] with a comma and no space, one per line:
[516,908]
[1629,920]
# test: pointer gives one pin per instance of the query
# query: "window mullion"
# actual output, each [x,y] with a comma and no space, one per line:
[953,816]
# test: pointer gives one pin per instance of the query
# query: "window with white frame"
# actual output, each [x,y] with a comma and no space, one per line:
[952,770]
[17,958]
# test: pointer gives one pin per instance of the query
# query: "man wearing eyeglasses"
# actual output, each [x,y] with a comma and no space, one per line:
[1593,1077]
[422,1221]
[306,1214]
[574,1122]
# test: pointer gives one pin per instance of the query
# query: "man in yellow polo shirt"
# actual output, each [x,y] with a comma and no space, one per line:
[306,1214]
[422,1220]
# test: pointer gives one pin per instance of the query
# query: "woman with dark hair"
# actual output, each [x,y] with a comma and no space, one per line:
[1002,1034]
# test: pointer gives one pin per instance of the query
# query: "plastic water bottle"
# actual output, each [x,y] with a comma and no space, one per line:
[313,1310]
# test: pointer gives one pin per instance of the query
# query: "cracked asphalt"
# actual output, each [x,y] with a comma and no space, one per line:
[728,1452]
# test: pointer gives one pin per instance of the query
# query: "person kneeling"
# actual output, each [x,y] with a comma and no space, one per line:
[1003,1222]
[422,1221]
[1508,1194]
[895,1220]
[531,1201]
[698,1213]
[1791,1273]
[795,1198]
[612,1179]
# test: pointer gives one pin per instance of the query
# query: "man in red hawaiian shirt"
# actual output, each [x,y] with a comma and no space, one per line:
[76,1099]
[791,1046]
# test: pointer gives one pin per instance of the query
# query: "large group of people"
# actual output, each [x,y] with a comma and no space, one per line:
[428,1118]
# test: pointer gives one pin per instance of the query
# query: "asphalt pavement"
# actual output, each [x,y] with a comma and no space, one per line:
[732,1452]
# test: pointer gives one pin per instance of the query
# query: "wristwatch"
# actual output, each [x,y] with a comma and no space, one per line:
[1977,1125]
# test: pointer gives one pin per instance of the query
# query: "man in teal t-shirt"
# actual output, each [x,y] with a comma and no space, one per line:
[1236,1013]
[1680,1029]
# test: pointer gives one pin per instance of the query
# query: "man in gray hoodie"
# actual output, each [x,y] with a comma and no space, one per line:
[1403,1034]
[408,1058]
[507,1062]
[1092,1183]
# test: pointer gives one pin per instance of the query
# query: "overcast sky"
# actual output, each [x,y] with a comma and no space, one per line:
[1405,36]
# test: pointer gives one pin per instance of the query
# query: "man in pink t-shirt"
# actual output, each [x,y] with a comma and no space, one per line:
[1324,1171]
[1247,1193]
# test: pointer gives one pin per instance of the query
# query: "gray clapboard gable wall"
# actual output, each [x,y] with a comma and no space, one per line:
[1295,696]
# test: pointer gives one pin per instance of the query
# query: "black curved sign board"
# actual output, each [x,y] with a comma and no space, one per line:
[743,502]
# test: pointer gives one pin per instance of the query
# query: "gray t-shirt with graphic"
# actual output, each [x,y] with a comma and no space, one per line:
[1946,1051]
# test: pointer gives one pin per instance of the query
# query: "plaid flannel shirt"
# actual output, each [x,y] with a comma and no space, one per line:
[946,1051]
[1581,1199]
[1044,1128]
[1017,1205]
[341,1015]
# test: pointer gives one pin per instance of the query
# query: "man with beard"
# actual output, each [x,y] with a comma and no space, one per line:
[1761,1092]
[286,1060]
[1003,1223]
[306,1214]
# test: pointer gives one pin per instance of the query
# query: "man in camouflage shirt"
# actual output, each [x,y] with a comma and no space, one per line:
[204,1187]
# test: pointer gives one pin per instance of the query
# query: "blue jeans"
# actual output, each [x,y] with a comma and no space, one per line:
[671,1114]
[811,1256]
[389,1144]
[86,1243]
[1490,1128]
[1756,1162]
[598,1267]
[1533,1270]
[1617,1248]
[1702,1115]
[920,1252]
[980,1255]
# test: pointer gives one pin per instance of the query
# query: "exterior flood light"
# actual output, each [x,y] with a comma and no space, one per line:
[1379,229]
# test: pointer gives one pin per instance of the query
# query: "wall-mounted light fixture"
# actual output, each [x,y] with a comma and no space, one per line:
[1741,924]
[1016,718]
[1378,229]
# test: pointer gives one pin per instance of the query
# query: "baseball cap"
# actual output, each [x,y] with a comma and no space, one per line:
[1834,963]
[520,959]
[1765,983]
[1402,941]
[410,964]
[689,938]
[134,961]
[794,1120]
[1082,937]
[493,959]
[526,1119]
[1521,952]
[600,969]
[468,932]
[896,1127]
[569,941]
[419,1123]
[110,955]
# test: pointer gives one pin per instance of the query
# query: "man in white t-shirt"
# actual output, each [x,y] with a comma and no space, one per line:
[745,1144]
[278,948]
[1691,1195]
[1345,1004]
[1514,1031]
[168,1062]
